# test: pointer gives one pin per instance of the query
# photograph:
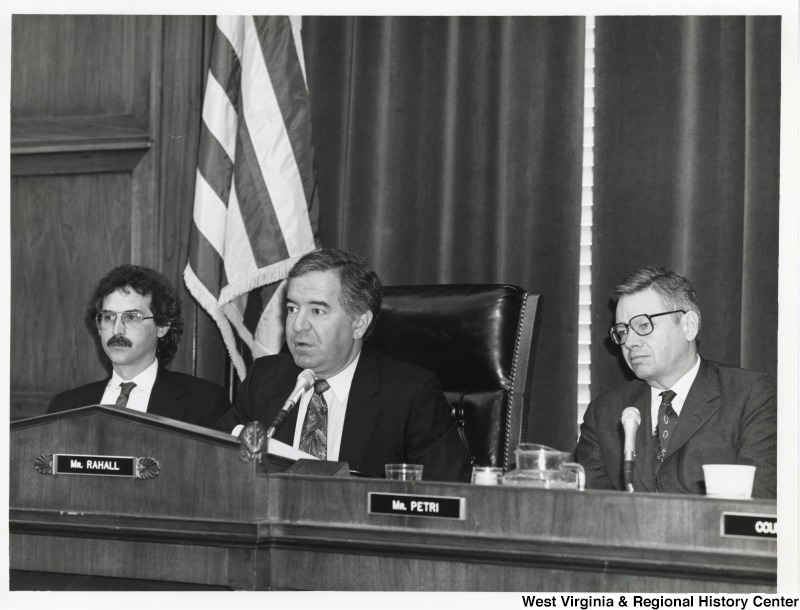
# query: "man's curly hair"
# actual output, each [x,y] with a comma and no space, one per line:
[165,304]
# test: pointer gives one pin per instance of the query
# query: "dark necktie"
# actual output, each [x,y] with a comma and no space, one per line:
[314,436]
[127,386]
[667,418]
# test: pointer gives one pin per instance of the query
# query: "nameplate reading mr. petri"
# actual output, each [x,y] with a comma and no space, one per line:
[411,505]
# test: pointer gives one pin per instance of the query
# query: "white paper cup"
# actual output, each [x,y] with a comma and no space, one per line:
[404,472]
[729,480]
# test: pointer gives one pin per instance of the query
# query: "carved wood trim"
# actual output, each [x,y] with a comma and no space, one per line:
[428,546]
[77,145]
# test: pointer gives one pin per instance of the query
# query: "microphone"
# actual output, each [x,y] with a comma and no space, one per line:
[631,418]
[304,381]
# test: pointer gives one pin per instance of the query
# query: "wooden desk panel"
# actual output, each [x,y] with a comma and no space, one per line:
[210,519]
[512,540]
[200,474]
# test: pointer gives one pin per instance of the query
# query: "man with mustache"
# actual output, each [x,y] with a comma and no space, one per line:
[365,408]
[693,411]
[138,319]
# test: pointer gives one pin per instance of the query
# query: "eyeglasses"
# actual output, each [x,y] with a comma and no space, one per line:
[642,325]
[106,320]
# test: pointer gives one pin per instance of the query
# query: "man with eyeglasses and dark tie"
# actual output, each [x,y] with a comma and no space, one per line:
[693,411]
[138,318]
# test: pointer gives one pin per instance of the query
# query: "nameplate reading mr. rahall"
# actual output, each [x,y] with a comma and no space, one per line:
[441,507]
[743,525]
[105,465]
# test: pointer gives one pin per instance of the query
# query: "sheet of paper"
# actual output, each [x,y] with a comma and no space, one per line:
[276,447]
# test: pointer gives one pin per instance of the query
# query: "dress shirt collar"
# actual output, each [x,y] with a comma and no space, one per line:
[144,381]
[680,387]
[340,383]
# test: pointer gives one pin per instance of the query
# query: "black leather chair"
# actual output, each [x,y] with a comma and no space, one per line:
[480,340]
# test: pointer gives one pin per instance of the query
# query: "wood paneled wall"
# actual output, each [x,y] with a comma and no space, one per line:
[105,113]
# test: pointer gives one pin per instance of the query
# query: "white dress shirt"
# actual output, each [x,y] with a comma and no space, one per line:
[336,397]
[140,395]
[681,389]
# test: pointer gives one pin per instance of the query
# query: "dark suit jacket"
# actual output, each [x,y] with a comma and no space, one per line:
[396,412]
[729,417]
[175,395]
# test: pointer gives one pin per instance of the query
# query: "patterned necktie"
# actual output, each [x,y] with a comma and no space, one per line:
[667,418]
[314,436]
[124,393]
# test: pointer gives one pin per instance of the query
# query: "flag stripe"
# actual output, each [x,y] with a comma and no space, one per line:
[220,119]
[205,260]
[257,302]
[232,29]
[272,147]
[291,95]
[238,256]
[272,317]
[209,214]
[254,307]
[225,66]
[258,212]
[255,189]
[215,165]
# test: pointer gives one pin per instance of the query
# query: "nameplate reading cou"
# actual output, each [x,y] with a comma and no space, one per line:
[745,525]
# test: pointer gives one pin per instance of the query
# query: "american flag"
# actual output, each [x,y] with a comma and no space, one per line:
[255,202]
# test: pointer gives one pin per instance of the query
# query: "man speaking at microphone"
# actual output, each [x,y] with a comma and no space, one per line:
[692,411]
[364,408]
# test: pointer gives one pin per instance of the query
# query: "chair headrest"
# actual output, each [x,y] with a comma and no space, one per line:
[466,333]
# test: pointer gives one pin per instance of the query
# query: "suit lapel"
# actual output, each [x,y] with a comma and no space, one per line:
[362,409]
[166,397]
[96,391]
[283,389]
[698,408]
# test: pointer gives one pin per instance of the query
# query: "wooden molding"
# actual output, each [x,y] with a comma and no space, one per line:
[77,144]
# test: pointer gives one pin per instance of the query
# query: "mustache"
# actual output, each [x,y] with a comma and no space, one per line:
[119,341]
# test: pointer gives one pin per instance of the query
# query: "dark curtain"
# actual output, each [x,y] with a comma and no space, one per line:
[686,176]
[448,149]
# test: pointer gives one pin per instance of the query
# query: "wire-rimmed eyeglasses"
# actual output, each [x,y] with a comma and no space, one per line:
[642,325]
[105,320]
